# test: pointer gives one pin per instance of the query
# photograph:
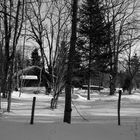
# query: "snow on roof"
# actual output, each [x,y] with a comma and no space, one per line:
[91,86]
[31,77]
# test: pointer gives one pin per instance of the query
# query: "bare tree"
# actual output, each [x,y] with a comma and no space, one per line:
[12,20]
[57,37]
[1,53]
[131,64]
[49,22]
[121,16]
[36,20]
[57,29]
[60,74]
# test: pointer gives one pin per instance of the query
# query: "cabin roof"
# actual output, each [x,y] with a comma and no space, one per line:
[28,77]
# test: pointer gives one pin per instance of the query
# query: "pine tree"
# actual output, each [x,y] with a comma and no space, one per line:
[35,58]
[92,34]
[133,68]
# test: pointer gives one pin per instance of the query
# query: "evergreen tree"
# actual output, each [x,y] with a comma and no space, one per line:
[133,68]
[134,64]
[35,58]
[77,70]
[92,35]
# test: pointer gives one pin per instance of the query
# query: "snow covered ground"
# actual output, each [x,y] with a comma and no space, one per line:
[95,119]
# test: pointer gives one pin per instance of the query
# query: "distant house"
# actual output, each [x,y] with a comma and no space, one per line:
[33,76]
[29,80]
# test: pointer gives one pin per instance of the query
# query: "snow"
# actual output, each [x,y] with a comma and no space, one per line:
[21,96]
[94,119]
[59,131]
[27,77]
[54,131]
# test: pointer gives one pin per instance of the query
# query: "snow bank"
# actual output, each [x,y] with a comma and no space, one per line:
[17,95]
[135,96]
[78,97]
[81,95]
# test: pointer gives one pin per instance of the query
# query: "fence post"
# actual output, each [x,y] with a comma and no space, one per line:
[33,109]
[119,106]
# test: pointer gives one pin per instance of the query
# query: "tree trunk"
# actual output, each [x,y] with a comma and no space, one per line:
[89,81]
[6,50]
[119,107]
[12,57]
[1,75]
[89,70]
[112,84]
[9,101]
[130,87]
[67,111]
[5,75]
[10,86]
[113,76]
